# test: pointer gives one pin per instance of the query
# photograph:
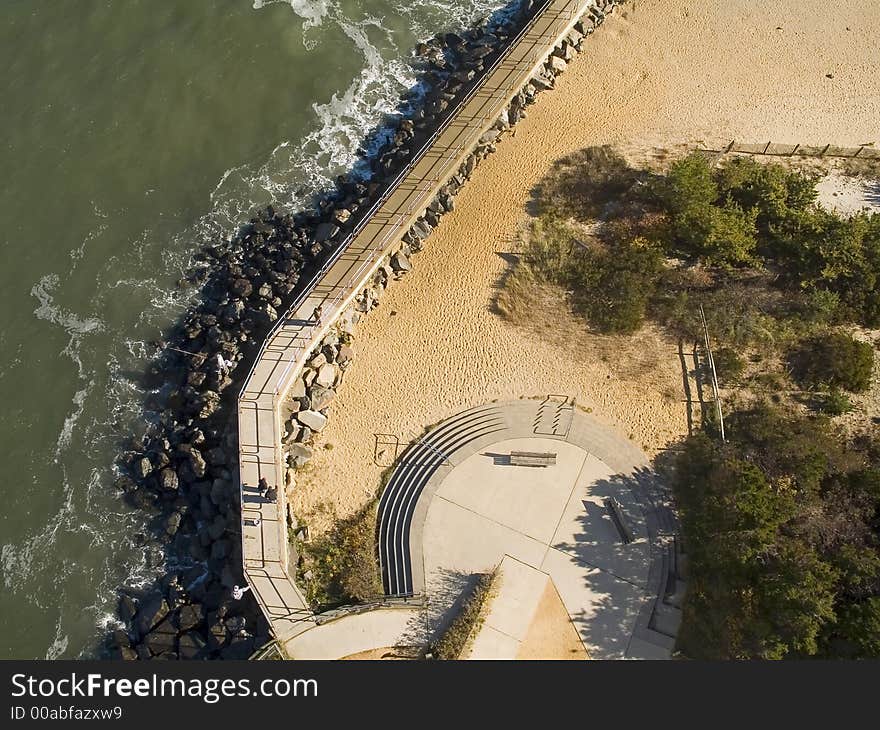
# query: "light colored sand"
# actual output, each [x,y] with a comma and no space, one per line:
[551,634]
[849,195]
[659,74]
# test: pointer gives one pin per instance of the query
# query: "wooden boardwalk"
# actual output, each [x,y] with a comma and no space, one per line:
[265,545]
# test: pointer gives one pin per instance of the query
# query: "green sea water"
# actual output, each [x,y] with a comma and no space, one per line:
[133,131]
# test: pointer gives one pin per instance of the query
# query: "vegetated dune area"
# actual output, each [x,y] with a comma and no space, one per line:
[660,77]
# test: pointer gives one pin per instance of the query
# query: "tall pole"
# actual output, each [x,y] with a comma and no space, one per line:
[715,389]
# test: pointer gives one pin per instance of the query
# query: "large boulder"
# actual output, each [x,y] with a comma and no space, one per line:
[322,398]
[298,389]
[557,64]
[189,616]
[216,456]
[240,647]
[193,646]
[209,402]
[326,378]
[325,231]
[400,263]
[168,479]
[143,468]
[162,639]
[300,454]
[151,611]
[241,288]
[314,420]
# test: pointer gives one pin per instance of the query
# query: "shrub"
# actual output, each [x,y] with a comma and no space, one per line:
[835,403]
[612,288]
[703,224]
[343,561]
[771,191]
[453,641]
[581,185]
[834,360]
[728,364]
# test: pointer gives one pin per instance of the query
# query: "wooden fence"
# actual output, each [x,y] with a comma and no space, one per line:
[866,151]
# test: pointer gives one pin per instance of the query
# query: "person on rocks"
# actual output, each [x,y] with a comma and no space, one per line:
[238,592]
[316,315]
[223,365]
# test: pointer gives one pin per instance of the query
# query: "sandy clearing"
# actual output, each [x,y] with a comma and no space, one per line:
[660,75]
[551,634]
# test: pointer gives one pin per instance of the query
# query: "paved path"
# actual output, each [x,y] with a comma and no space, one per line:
[265,545]
[377,629]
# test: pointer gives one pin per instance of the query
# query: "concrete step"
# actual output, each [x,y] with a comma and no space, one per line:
[666,619]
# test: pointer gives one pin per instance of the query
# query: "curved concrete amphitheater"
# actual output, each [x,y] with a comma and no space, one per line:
[456,505]
[351,266]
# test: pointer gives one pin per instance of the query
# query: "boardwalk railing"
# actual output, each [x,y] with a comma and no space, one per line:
[402,218]
[334,287]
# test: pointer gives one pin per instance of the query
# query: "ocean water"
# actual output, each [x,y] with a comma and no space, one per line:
[132,132]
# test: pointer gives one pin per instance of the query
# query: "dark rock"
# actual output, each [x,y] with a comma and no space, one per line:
[242,288]
[189,617]
[216,456]
[192,645]
[325,231]
[151,611]
[162,639]
[127,608]
[168,479]
[240,647]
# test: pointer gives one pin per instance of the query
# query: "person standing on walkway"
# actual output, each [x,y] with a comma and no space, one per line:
[263,487]
[316,315]
[272,494]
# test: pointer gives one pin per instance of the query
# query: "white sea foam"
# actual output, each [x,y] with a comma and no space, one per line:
[289,176]
[71,419]
[43,291]
[59,643]
[311,12]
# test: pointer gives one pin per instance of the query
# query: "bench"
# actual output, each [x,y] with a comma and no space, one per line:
[619,519]
[532,458]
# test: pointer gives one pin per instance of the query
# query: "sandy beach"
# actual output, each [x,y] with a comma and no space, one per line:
[660,75]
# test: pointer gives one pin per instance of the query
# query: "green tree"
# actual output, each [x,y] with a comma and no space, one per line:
[859,626]
[834,360]
[772,191]
[613,287]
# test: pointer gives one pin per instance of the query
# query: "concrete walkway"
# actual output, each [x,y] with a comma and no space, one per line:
[477,509]
[376,629]
[264,533]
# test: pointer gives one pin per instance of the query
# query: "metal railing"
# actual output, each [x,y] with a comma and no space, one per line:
[422,190]
[389,190]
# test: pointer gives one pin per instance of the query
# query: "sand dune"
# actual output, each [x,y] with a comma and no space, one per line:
[660,75]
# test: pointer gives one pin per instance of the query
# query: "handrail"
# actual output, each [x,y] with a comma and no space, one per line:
[389,190]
